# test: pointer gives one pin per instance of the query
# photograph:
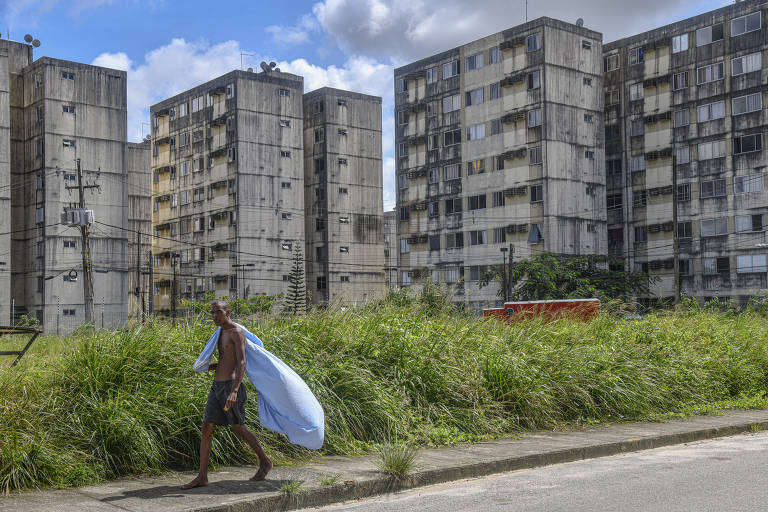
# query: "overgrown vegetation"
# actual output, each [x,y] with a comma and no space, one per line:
[407,370]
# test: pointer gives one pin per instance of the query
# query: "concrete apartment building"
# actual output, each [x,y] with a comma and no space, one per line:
[228,186]
[139,190]
[500,143]
[342,187]
[690,94]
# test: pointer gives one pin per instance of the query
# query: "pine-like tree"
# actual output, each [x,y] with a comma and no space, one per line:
[296,299]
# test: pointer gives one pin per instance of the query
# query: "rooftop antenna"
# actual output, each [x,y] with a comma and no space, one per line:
[580,22]
[241,58]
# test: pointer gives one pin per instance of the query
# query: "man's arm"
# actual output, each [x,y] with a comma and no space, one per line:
[238,344]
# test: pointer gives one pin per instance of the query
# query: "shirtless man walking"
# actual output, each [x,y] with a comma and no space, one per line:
[226,400]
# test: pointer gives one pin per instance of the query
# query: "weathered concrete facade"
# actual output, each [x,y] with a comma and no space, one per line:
[500,143]
[342,187]
[138,185]
[693,94]
[228,194]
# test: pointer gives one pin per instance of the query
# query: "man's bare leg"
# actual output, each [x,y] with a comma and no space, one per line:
[206,437]
[265,465]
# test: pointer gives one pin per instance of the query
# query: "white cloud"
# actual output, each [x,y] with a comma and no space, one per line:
[297,34]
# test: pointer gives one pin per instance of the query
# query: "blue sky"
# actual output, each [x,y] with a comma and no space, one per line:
[167,47]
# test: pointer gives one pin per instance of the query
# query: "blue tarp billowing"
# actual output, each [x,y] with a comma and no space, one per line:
[286,404]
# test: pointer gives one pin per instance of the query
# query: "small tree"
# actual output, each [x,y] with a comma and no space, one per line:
[296,299]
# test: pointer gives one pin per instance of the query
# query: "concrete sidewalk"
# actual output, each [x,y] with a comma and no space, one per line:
[357,477]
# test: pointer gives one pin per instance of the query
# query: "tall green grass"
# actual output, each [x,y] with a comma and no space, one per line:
[98,405]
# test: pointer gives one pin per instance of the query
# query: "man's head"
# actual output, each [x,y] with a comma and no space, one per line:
[219,312]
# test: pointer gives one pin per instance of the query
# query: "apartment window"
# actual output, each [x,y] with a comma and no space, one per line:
[405,278]
[494,55]
[611,62]
[639,198]
[711,111]
[402,149]
[285,154]
[714,227]
[454,240]
[498,199]
[636,91]
[476,131]
[474,62]
[475,167]
[285,184]
[451,103]
[452,138]
[497,126]
[286,216]
[66,75]
[534,118]
[680,43]
[433,175]
[434,242]
[712,188]
[710,73]
[680,81]
[67,109]
[614,201]
[746,64]
[344,279]
[208,100]
[67,177]
[452,172]
[401,85]
[450,69]
[319,135]
[475,96]
[499,163]
[747,143]
[499,235]
[685,229]
[638,163]
[589,118]
[317,106]
[636,127]
[680,118]
[745,24]
[682,155]
[197,104]
[534,155]
[711,266]
[402,181]
[710,34]
[684,192]
[534,80]
[343,249]
[750,263]
[613,167]
[636,56]
[611,97]
[70,244]
[284,92]
[532,42]
[587,45]
[745,184]
[343,190]
[476,202]
[641,234]
[404,213]
[184,168]
[69,312]
[405,247]
[182,110]
[230,90]
[433,209]
[452,206]
[494,91]
[285,123]
[431,75]
[750,223]
[748,103]
[172,113]
[709,150]
[322,282]
[68,143]
[478,238]
[342,161]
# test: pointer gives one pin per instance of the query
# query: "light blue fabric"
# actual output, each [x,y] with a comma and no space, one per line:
[286,404]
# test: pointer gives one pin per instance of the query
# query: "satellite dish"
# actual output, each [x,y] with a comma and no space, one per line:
[28,38]
[277,69]
[264,67]
[250,70]
[36,43]
[580,22]
[272,64]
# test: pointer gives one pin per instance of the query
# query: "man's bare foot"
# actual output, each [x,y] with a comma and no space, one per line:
[264,468]
[197,482]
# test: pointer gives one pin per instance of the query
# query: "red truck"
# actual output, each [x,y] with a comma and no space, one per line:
[583,309]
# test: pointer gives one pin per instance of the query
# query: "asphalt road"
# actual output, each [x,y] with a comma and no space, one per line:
[726,474]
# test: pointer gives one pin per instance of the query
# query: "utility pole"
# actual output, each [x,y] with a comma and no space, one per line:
[504,286]
[83,224]
[174,289]
[151,300]
[139,301]
[509,273]
[675,241]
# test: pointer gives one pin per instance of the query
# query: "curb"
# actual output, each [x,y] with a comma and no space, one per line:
[351,490]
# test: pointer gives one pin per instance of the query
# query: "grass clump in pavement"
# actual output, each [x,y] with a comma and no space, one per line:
[330,480]
[397,460]
[407,370]
[292,487]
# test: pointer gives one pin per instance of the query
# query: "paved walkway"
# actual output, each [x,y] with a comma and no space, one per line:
[357,477]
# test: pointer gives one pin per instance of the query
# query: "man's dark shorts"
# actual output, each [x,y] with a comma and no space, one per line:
[217,400]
